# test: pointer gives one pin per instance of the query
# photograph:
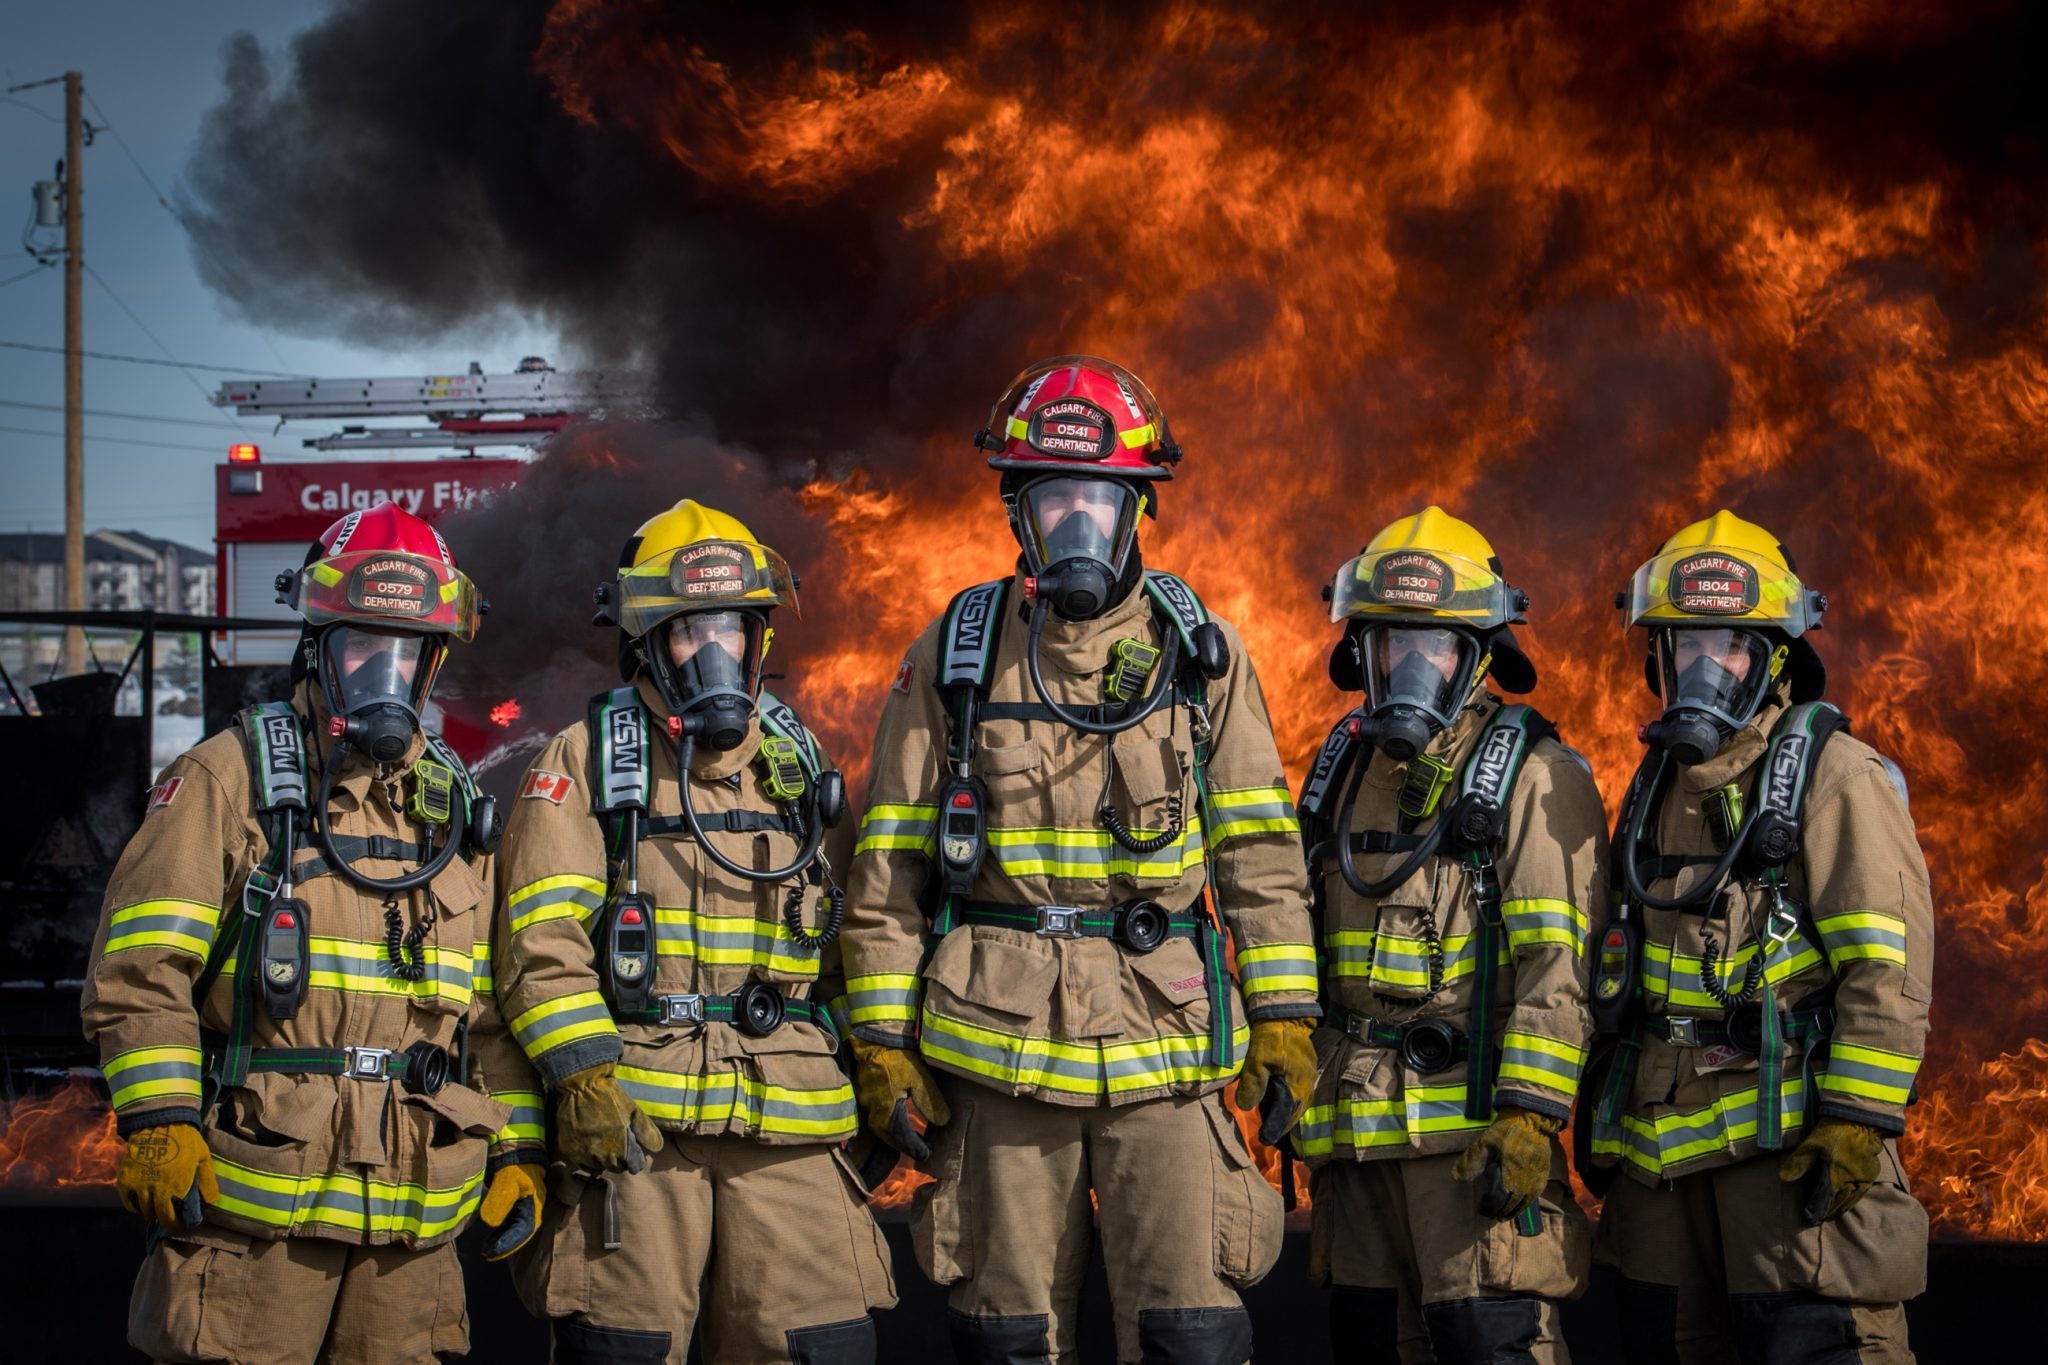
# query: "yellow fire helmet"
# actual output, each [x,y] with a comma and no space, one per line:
[1725,572]
[694,558]
[1429,569]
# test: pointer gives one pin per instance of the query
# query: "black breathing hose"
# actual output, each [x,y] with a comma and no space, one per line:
[1700,892]
[323,833]
[1162,687]
[813,840]
[1349,869]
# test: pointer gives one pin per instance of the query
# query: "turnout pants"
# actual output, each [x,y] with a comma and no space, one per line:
[215,1295]
[1719,1266]
[1185,1217]
[772,1249]
[1418,1274]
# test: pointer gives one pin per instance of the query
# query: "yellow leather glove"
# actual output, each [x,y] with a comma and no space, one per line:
[165,1174]
[1279,1074]
[889,1080]
[512,1204]
[597,1125]
[1514,1153]
[1839,1158]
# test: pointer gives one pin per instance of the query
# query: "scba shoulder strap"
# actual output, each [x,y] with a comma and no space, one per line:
[622,770]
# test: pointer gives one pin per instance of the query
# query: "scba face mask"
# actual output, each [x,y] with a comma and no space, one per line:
[1713,681]
[1417,679]
[1078,536]
[707,665]
[376,681]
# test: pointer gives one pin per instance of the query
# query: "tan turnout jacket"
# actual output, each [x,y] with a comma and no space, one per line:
[1865,948]
[1552,867]
[304,1155]
[1079,1021]
[716,933]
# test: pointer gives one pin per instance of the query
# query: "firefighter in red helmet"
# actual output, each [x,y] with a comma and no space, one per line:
[1076,807]
[291,970]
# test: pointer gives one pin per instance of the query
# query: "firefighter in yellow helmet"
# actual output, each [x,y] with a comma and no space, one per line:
[1766,982]
[1073,761]
[667,951]
[1458,853]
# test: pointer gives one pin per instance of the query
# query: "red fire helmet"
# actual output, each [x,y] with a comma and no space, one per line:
[384,567]
[1079,414]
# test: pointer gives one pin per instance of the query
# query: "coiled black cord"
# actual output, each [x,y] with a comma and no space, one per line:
[402,945]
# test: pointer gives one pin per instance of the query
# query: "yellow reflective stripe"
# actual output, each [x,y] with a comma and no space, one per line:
[1661,968]
[1019,429]
[346,1200]
[1539,920]
[565,1019]
[529,1117]
[334,965]
[566,896]
[153,1073]
[1137,438]
[1396,1122]
[687,1098]
[1252,810]
[179,925]
[1863,935]
[480,979]
[1871,1073]
[1540,1060]
[1093,1069]
[882,997]
[1670,1140]
[732,941]
[912,827]
[1277,967]
[324,573]
[1055,852]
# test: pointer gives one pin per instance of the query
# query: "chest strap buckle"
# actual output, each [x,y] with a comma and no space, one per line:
[1059,921]
[367,1063]
[681,1009]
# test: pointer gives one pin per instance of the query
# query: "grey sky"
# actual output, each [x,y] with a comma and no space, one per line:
[154,70]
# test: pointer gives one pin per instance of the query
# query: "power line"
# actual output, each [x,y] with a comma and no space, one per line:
[113,440]
[52,118]
[35,269]
[120,303]
[146,360]
[163,200]
[124,416]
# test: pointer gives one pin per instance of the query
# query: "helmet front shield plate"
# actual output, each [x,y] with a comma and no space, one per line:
[711,574]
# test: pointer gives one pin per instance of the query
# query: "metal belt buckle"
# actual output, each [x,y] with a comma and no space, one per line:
[681,1009]
[1682,1030]
[367,1063]
[1059,921]
[1358,1025]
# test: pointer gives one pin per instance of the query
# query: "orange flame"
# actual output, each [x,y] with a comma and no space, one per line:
[63,1139]
[506,711]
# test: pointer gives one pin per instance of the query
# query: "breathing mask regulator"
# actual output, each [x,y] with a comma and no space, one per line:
[1427,613]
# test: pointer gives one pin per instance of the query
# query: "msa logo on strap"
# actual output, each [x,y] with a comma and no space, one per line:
[626,756]
[1788,761]
[281,747]
[1178,599]
[967,646]
[1317,788]
[1494,761]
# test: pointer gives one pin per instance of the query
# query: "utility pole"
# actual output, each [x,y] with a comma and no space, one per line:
[74,368]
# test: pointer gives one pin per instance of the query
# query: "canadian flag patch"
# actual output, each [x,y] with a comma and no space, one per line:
[903,677]
[547,786]
[163,793]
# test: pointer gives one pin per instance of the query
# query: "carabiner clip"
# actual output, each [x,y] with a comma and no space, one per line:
[1782,922]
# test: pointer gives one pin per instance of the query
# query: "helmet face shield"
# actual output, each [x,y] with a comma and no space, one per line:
[1427,669]
[372,586]
[708,574]
[1709,583]
[1720,672]
[1407,583]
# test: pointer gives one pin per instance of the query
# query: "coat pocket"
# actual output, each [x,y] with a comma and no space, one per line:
[1877,1251]
[1248,1214]
[1554,1262]
[1176,985]
[870,1249]
[942,1212]
[552,1272]
[982,979]
[192,1296]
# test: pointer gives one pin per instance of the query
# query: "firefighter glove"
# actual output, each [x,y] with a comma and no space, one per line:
[597,1125]
[166,1175]
[1279,1074]
[890,1080]
[1838,1161]
[1514,1156]
[511,1208]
